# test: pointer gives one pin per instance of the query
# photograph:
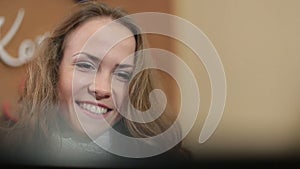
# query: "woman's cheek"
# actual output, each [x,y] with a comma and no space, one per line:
[65,86]
[120,95]
[80,83]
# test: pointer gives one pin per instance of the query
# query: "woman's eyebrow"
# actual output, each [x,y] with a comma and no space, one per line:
[92,57]
[124,66]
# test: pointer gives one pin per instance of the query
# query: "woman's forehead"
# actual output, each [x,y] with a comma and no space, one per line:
[99,36]
[101,26]
[101,30]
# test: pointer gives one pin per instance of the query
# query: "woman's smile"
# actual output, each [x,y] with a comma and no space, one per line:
[94,110]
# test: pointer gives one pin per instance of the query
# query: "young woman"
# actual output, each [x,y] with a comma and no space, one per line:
[76,87]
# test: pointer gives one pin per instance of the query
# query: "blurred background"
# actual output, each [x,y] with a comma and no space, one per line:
[258,43]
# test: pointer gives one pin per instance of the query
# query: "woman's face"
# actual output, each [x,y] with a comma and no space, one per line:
[92,60]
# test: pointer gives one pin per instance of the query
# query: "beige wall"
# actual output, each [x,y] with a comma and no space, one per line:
[258,42]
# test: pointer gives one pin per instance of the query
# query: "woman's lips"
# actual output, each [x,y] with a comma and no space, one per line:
[94,110]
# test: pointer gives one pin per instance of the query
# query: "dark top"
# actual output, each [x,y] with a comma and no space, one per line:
[37,154]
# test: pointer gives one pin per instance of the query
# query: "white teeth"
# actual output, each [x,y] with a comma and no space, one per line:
[93,109]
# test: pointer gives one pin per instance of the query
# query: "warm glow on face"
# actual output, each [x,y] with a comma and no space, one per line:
[87,69]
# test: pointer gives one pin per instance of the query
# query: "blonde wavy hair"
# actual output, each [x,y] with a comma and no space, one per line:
[39,103]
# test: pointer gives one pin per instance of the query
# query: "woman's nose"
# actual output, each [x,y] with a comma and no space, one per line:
[101,87]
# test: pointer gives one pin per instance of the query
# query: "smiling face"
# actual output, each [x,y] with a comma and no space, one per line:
[95,56]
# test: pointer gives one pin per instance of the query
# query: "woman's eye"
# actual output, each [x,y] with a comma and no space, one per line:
[85,66]
[123,75]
